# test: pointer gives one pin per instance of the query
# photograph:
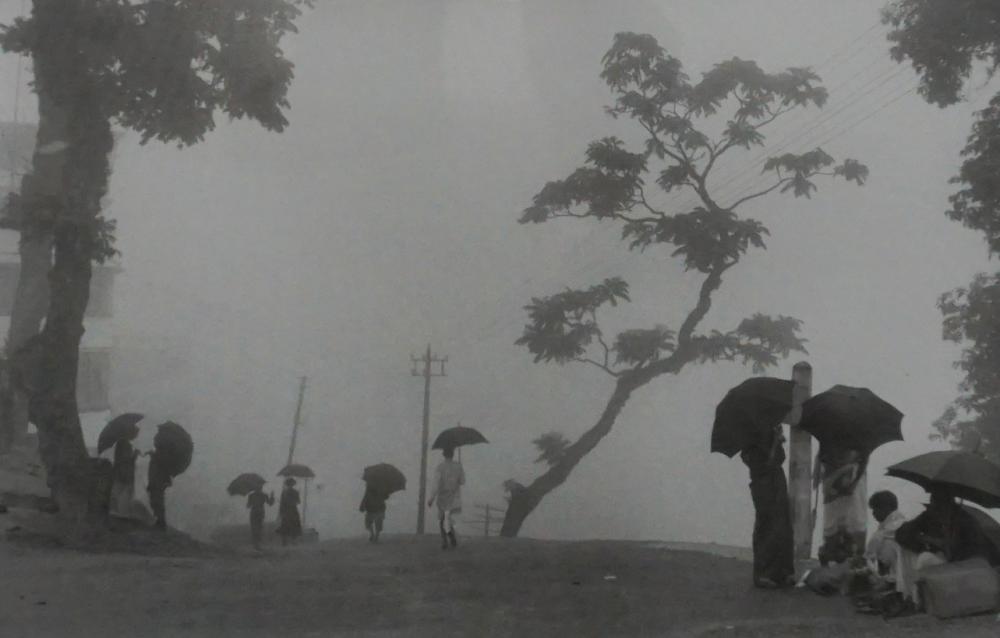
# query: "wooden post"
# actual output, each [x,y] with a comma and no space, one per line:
[800,464]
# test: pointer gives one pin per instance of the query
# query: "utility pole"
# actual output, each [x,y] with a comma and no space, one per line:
[298,418]
[426,373]
[800,464]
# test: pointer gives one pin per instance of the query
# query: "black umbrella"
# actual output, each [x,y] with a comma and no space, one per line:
[457,437]
[297,470]
[749,411]
[384,477]
[966,475]
[246,483]
[990,529]
[121,427]
[174,447]
[851,418]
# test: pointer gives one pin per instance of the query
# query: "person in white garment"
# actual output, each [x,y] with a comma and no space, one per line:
[446,490]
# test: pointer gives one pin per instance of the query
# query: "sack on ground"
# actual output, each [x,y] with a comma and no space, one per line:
[960,589]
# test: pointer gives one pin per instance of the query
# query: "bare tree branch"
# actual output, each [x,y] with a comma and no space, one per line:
[599,365]
[743,200]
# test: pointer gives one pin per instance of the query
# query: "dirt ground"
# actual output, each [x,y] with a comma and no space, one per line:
[406,586]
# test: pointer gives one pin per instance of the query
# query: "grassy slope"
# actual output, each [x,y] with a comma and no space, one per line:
[408,586]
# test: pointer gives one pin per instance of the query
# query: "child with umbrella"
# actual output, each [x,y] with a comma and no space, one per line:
[380,482]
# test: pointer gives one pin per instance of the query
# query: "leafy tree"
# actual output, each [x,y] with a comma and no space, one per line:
[163,68]
[551,445]
[652,90]
[945,41]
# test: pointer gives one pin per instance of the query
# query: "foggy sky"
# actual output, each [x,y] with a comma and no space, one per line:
[384,219]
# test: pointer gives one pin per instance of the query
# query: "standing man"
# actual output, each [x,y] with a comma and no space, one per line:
[773,545]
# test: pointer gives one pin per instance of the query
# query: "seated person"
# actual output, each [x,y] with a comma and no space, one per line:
[882,551]
[943,533]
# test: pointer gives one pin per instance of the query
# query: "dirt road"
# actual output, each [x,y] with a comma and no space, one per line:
[408,587]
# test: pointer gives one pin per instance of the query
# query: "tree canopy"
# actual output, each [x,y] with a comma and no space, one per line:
[162,68]
[946,41]
[686,128]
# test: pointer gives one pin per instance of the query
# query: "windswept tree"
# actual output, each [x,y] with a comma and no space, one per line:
[946,41]
[617,184]
[162,68]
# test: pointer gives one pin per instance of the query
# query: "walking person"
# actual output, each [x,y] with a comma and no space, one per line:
[256,501]
[373,506]
[290,526]
[773,551]
[449,477]
[157,481]
[123,476]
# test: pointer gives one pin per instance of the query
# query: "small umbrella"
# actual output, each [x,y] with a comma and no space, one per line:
[384,477]
[174,447]
[457,437]
[297,470]
[852,418]
[748,411]
[121,427]
[966,475]
[246,483]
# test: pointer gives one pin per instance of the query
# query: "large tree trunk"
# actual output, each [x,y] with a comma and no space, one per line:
[524,500]
[70,179]
[31,300]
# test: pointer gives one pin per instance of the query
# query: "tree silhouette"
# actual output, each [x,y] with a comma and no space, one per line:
[650,88]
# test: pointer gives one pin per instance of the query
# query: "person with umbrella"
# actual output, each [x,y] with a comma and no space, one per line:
[773,541]
[119,434]
[380,482]
[748,420]
[849,423]
[373,507]
[256,500]
[158,479]
[842,473]
[251,485]
[290,523]
[446,489]
[171,455]
[123,486]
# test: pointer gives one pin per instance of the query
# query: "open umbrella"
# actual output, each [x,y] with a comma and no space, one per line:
[966,475]
[990,529]
[174,447]
[297,470]
[121,427]
[245,483]
[852,418]
[384,477]
[749,411]
[457,437]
